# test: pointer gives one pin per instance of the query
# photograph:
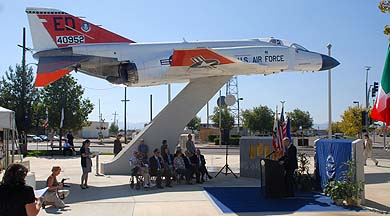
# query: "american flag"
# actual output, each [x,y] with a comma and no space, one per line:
[46,124]
[283,124]
[277,135]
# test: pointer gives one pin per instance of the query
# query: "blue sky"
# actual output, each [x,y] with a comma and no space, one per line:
[354,28]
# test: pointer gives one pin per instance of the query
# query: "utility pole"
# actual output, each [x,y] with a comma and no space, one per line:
[169,93]
[23,93]
[151,107]
[115,114]
[367,96]
[329,46]
[125,101]
[208,115]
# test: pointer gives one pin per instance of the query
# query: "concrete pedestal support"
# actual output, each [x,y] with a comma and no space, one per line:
[170,122]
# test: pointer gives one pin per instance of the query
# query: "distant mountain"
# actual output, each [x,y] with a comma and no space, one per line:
[322,126]
[132,125]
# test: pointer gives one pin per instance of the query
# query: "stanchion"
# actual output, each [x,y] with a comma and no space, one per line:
[97,164]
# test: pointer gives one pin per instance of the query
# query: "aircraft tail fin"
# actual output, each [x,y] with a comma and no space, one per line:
[52,28]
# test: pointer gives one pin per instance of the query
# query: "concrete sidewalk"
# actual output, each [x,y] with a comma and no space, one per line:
[111,195]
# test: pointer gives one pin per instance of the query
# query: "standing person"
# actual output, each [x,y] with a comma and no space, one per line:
[16,198]
[86,163]
[290,163]
[117,144]
[164,146]
[143,149]
[202,165]
[70,138]
[190,145]
[53,194]
[368,150]
[156,166]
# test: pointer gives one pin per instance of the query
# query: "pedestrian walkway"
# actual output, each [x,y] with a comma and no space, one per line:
[111,195]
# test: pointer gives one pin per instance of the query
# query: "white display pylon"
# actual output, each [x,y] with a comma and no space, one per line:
[169,123]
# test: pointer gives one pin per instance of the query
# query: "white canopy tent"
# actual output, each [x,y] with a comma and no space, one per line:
[7,118]
[8,126]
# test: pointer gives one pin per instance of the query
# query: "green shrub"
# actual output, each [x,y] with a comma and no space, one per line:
[212,137]
[234,141]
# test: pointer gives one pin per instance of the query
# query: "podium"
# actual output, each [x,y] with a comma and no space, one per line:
[272,178]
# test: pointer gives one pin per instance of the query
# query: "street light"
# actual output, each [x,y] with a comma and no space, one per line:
[238,115]
[301,128]
[329,46]
[356,102]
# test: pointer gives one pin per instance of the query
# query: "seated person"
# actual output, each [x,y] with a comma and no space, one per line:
[190,165]
[156,166]
[138,168]
[54,195]
[202,165]
[168,166]
[67,149]
[180,167]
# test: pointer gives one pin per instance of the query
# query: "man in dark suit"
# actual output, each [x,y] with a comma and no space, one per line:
[156,166]
[289,161]
[191,164]
[202,165]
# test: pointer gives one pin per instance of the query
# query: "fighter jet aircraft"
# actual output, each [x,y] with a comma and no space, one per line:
[65,43]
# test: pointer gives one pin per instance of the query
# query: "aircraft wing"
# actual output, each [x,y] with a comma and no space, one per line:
[209,62]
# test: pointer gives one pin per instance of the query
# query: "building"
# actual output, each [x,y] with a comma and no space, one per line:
[94,130]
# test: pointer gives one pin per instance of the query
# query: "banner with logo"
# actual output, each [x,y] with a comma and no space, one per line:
[331,155]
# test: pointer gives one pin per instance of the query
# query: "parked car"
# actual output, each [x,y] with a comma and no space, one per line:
[37,139]
[33,138]
[43,137]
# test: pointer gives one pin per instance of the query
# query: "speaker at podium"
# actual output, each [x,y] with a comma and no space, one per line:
[272,178]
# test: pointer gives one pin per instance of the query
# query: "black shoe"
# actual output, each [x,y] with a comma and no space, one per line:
[203,180]
[160,187]
[199,182]
[168,186]
[210,177]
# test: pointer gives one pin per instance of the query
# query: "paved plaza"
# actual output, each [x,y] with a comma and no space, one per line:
[111,195]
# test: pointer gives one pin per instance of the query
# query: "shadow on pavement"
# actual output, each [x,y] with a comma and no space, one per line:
[377,207]
[93,193]
[377,178]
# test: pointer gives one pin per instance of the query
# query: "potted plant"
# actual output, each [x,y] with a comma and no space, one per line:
[336,191]
[347,190]
[303,178]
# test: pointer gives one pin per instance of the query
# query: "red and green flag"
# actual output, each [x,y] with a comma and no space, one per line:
[381,110]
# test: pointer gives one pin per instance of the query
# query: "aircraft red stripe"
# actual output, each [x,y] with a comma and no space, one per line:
[44,79]
[184,57]
[68,25]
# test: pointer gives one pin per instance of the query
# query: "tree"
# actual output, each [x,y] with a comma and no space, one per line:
[114,129]
[336,127]
[194,124]
[384,7]
[300,118]
[260,119]
[351,123]
[18,94]
[66,93]
[227,119]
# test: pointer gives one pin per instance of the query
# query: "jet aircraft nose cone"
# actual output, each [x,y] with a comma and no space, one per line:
[328,62]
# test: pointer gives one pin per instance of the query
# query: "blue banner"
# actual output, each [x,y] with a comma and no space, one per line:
[331,155]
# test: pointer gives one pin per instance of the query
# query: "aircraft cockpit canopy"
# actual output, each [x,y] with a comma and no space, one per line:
[281,42]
